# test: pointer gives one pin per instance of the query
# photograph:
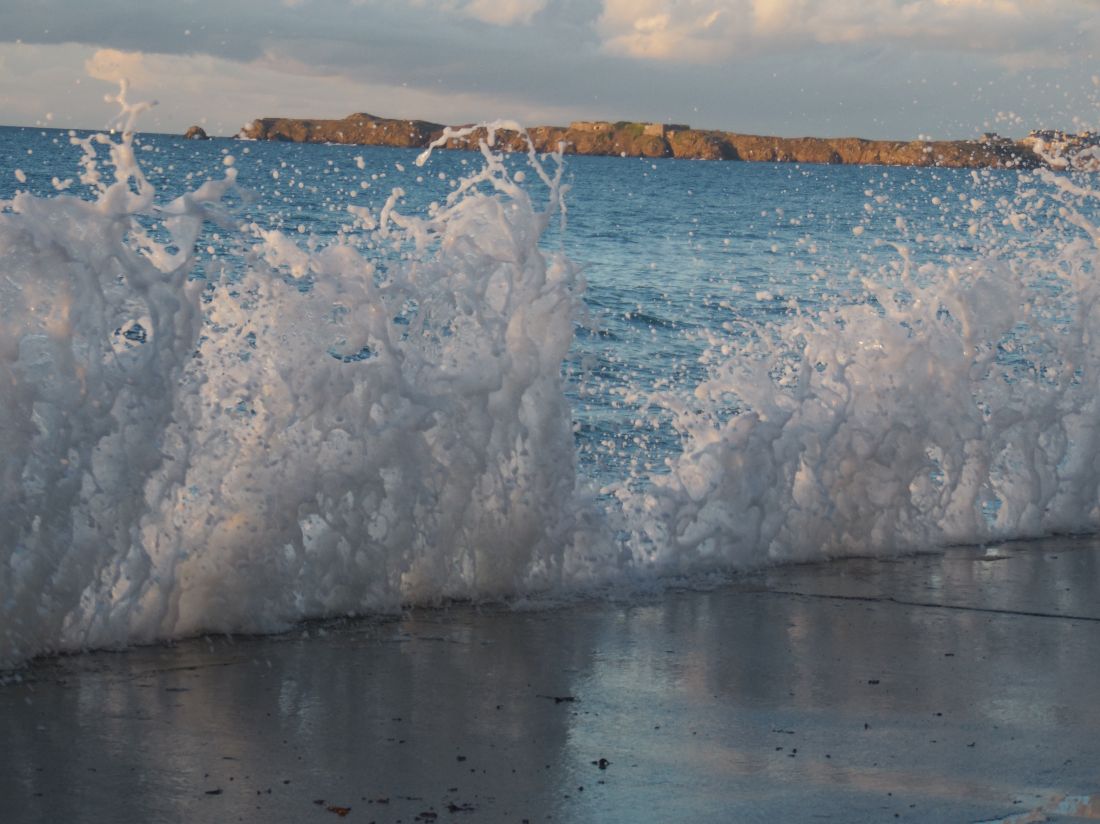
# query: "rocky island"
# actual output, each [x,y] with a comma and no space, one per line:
[630,139]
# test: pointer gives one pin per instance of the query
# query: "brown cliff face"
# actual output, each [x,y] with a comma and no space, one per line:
[636,140]
[359,129]
[617,141]
[624,139]
[696,144]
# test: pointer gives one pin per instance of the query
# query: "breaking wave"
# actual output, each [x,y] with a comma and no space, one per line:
[295,428]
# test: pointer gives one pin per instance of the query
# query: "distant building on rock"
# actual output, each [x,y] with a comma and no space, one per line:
[665,129]
[591,126]
[1064,150]
[648,129]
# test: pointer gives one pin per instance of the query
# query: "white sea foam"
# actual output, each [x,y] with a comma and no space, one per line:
[260,452]
[956,404]
[322,429]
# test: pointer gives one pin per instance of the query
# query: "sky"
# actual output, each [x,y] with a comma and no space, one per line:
[870,68]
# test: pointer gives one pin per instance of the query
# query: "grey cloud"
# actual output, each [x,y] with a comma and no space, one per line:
[243,30]
[123,25]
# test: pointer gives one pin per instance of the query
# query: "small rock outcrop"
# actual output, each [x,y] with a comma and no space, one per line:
[196,133]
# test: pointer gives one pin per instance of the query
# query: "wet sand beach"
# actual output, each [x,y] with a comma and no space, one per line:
[952,687]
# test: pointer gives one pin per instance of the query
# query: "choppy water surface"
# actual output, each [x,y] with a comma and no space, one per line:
[246,383]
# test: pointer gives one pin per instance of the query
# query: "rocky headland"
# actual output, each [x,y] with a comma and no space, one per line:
[629,139]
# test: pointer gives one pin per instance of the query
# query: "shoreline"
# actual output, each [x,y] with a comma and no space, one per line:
[655,140]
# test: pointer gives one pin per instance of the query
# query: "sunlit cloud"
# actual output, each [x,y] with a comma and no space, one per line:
[113,65]
[1018,34]
[695,31]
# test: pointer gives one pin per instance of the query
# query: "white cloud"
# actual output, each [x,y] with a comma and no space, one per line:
[693,31]
[113,65]
[774,16]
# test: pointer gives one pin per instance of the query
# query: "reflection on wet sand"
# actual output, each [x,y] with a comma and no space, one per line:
[1074,806]
[934,688]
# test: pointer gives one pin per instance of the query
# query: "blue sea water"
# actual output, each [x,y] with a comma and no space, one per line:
[320,387]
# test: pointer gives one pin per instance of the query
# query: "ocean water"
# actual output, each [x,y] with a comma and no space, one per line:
[245,384]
